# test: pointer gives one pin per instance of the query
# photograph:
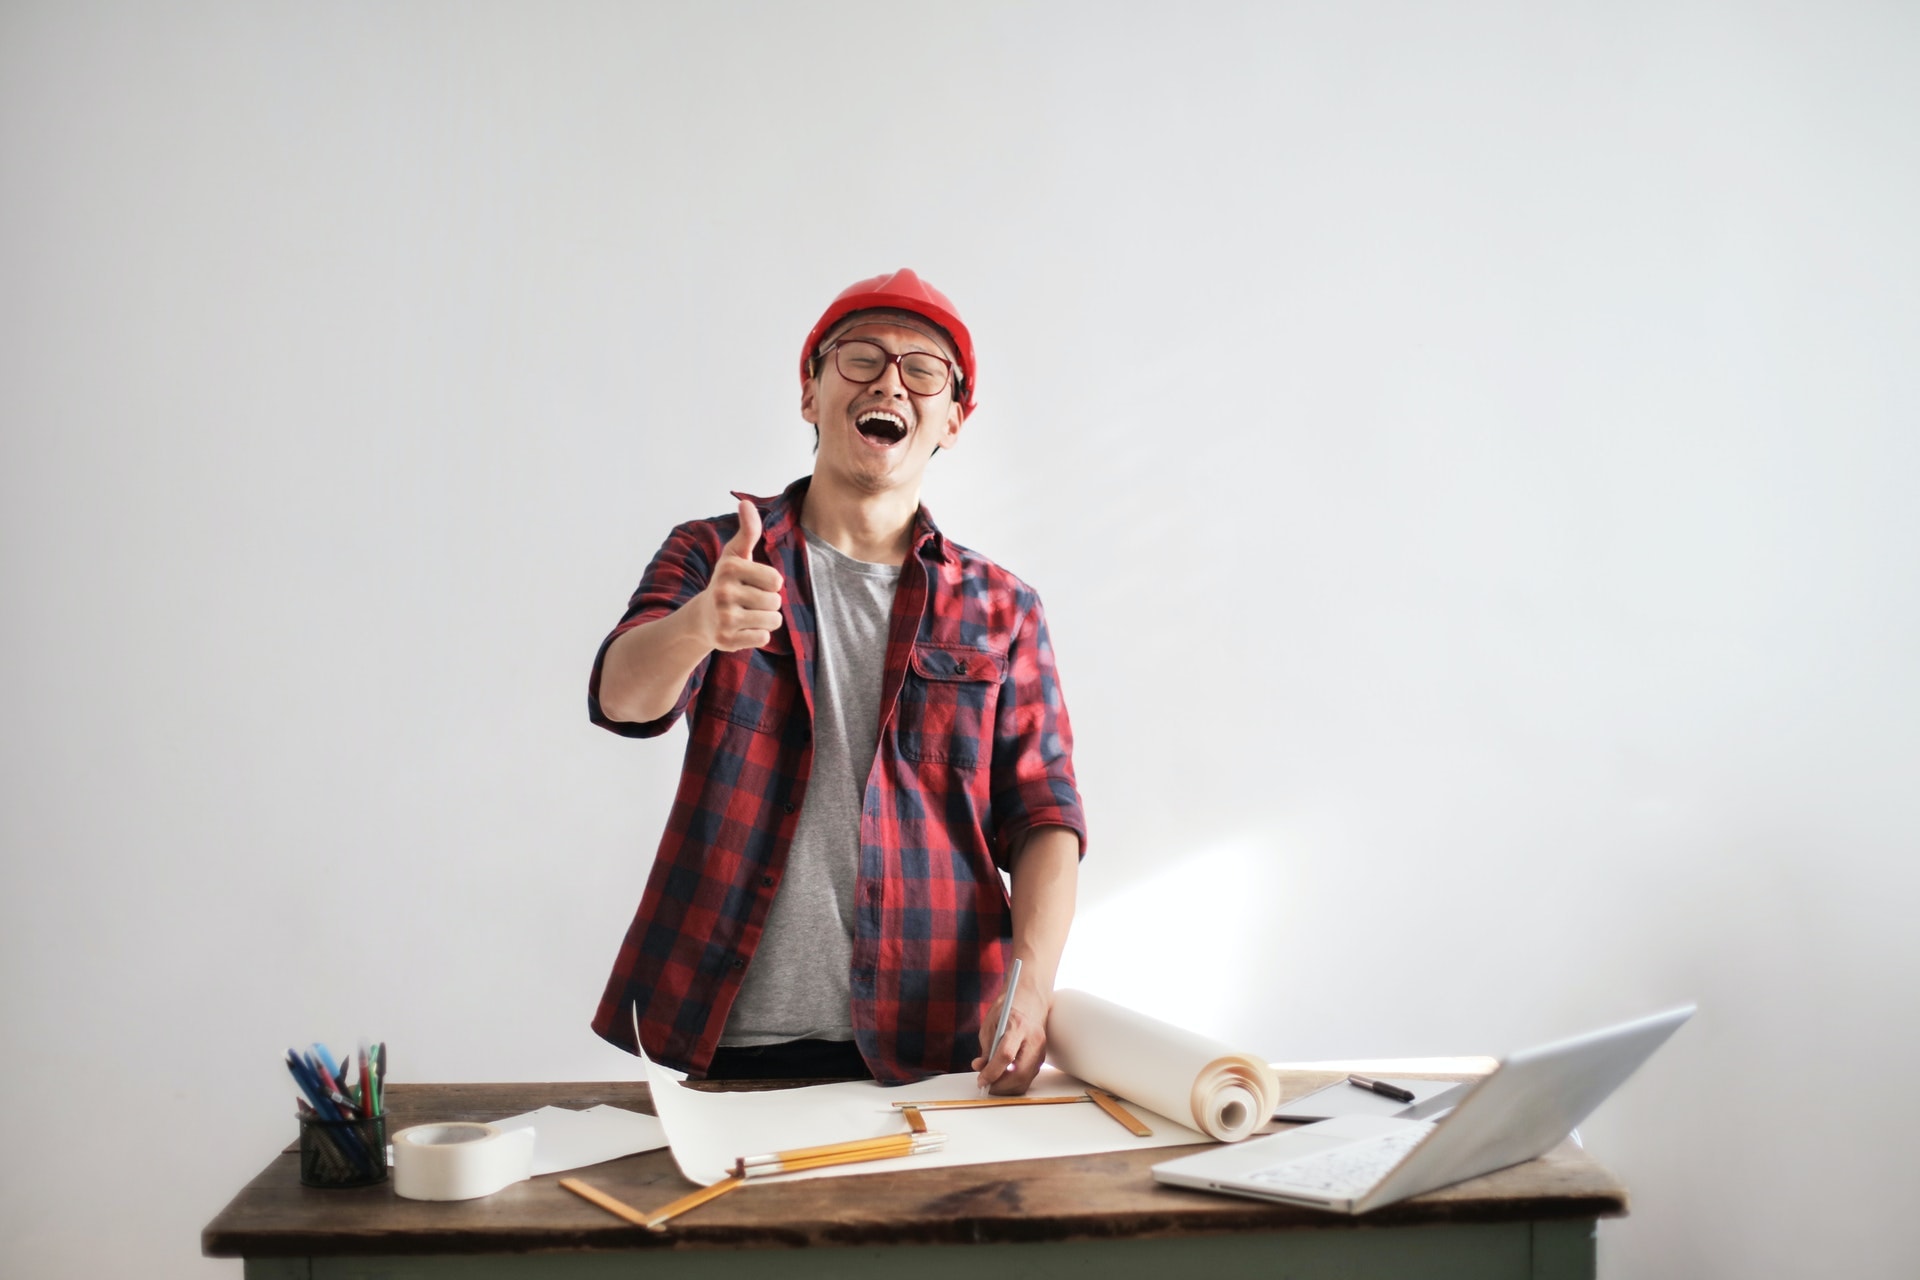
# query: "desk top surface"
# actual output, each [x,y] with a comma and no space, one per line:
[1106,1196]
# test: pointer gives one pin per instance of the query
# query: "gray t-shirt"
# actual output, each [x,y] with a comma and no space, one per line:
[798,986]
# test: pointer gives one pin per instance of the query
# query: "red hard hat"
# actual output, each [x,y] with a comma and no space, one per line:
[899,291]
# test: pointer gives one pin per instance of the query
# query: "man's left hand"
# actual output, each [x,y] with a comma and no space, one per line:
[1023,1048]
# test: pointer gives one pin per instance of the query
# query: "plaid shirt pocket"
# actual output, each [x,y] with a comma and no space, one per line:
[947,702]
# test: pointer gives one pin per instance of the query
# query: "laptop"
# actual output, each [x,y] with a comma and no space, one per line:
[1351,1164]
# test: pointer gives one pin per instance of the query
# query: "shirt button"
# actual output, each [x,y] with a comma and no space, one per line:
[766,882]
[736,963]
[788,807]
[960,666]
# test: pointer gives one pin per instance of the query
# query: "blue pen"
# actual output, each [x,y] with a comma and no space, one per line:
[311,1087]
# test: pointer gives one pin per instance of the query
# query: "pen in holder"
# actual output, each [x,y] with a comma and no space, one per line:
[343,1115]
[343,1153]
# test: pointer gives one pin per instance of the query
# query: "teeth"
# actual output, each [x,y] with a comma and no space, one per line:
[877,415]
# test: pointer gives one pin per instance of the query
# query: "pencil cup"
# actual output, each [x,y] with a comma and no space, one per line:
[343,1153]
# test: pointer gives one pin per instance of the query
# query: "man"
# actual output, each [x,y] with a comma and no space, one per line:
[876,731]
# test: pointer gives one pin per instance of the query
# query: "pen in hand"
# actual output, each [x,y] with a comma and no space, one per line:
[1006,1008]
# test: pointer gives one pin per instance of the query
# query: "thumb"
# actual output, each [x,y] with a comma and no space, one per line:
[743,542]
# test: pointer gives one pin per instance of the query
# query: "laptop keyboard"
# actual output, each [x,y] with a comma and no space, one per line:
[1342,1171]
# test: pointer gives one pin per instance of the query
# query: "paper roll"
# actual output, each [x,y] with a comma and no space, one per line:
[459,1160]
[1184,1076]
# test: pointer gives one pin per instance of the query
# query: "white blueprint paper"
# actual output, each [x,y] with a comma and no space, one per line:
[564,1139]
[709,1131]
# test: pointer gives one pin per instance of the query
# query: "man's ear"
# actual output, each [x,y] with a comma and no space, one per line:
[807,412]
[956,418]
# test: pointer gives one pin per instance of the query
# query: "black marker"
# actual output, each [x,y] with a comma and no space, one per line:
[1381,1087]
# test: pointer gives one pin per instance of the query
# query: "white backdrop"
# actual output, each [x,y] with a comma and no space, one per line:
[1465,452]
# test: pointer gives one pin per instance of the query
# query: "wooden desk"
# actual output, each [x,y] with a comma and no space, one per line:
[1081,1216]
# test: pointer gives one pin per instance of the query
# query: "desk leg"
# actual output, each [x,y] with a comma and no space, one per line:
[279,1269]
[1564,1250]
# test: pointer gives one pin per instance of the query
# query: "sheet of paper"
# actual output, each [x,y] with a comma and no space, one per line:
[1343,1099]
[564,1139]
[709,1131]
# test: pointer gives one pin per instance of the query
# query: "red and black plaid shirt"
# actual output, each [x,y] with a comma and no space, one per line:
[975,751]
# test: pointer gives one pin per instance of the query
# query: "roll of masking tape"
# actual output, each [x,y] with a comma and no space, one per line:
[459,1160]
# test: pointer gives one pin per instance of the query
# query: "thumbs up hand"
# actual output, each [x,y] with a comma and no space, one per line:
[741,603]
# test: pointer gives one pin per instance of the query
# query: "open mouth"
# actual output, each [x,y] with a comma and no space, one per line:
[882,427]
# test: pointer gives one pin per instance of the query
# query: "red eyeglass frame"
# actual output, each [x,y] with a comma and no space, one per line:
[888,359]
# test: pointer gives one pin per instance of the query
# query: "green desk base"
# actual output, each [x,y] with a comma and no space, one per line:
[1561,1250]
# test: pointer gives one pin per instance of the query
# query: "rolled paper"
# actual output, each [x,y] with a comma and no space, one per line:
[1185,1076]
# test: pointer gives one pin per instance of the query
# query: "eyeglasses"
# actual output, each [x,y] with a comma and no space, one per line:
[921,372]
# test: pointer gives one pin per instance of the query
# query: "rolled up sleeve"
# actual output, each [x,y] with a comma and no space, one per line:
[678,572]
[1033,783]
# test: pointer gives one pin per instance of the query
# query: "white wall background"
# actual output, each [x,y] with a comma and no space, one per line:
[1466,452]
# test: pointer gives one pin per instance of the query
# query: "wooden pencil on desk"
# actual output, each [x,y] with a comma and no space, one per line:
[795,1161]
[887,1148]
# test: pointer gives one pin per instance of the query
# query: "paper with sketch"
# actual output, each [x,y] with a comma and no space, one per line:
[564,1139]
[709,1131]
[1159,1071]
[1222,1092]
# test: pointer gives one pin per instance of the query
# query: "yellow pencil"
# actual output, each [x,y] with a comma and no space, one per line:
[832,1148]
[798,1160]
[657,1220]
[904,1144]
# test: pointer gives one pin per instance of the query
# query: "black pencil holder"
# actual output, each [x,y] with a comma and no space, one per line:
[343,1153]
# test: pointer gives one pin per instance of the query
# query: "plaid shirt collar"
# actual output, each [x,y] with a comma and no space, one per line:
[780,521]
